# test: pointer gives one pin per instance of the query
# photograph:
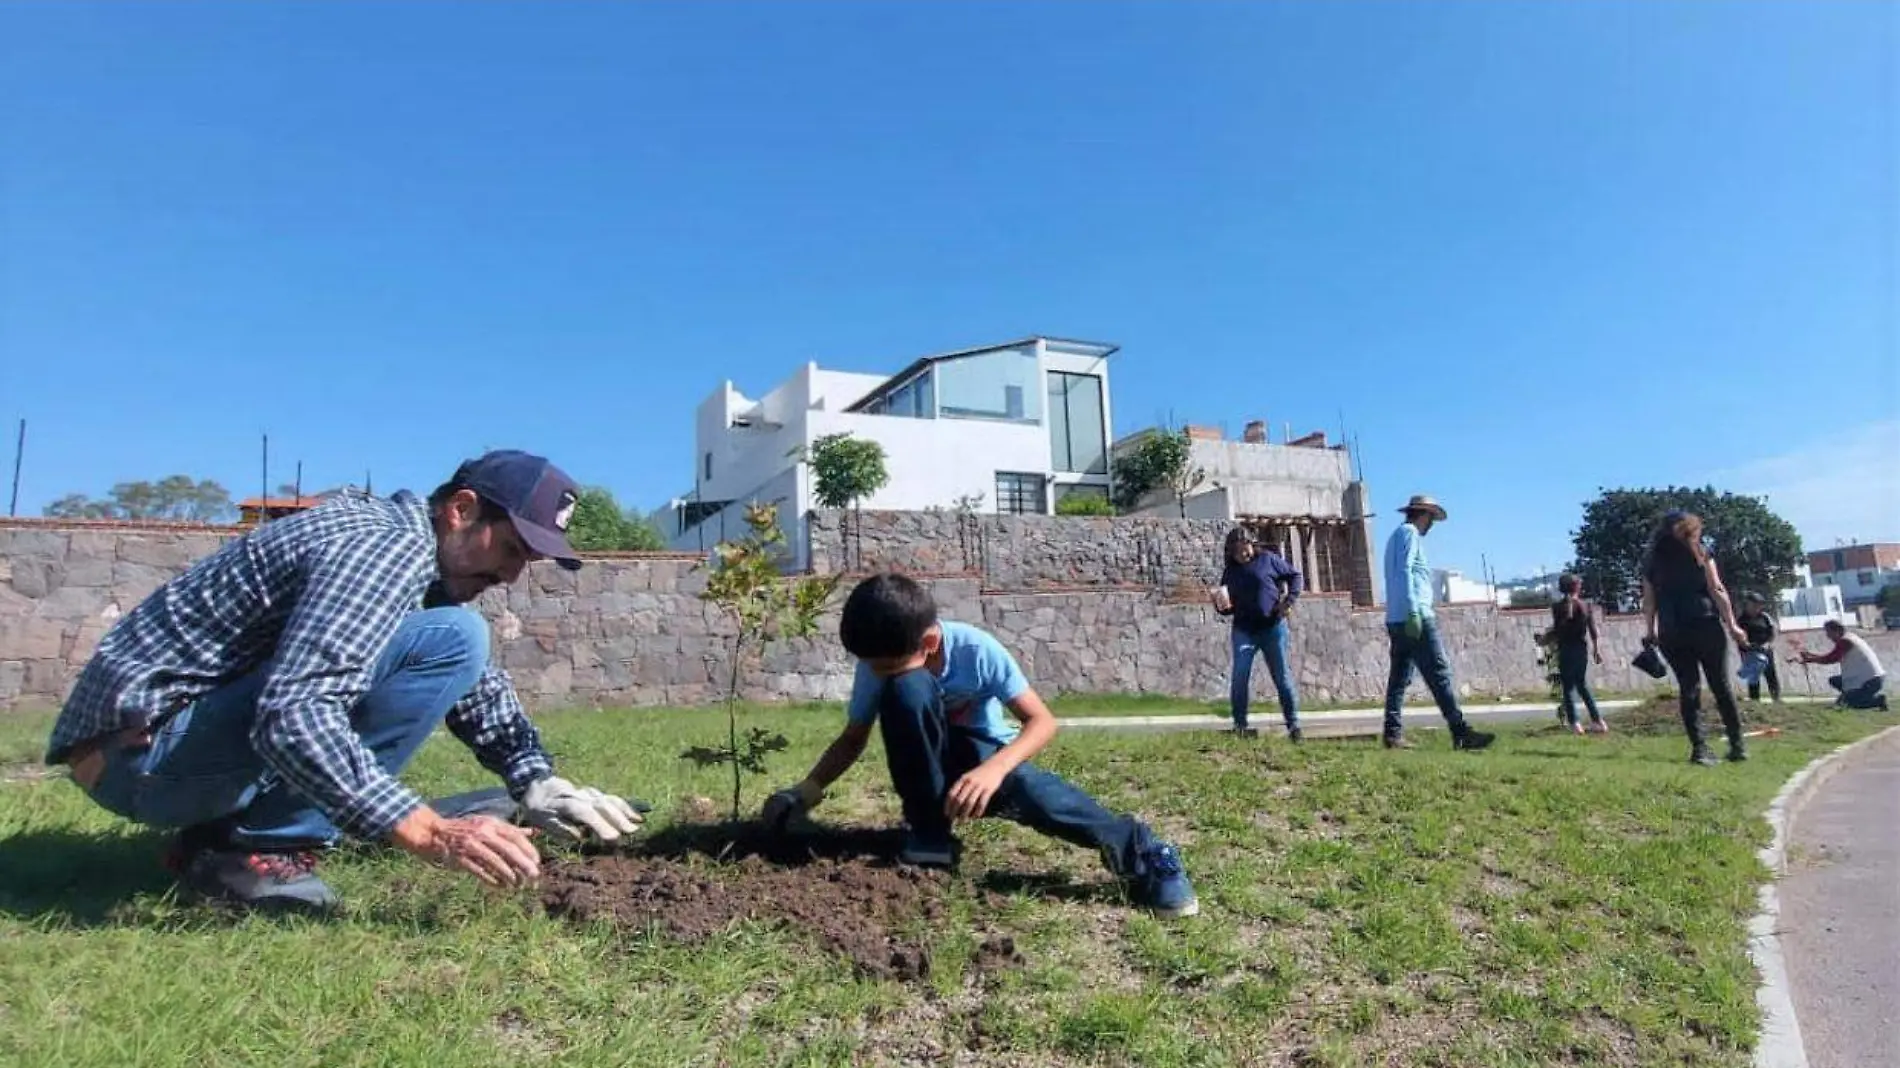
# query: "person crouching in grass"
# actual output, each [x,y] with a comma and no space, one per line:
[938,690]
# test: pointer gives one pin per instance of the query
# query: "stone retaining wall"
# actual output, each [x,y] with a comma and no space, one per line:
[629,629]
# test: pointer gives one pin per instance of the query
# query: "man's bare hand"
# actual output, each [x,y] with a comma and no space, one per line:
[494,851]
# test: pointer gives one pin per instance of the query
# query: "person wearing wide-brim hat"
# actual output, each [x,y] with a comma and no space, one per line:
[1413,631]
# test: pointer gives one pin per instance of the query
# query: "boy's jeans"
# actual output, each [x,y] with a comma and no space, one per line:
[927,755]
[201,769]
[1270,641]
[1573,668]
[1425,653]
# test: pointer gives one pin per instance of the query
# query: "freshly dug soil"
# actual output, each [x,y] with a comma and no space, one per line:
[840,887]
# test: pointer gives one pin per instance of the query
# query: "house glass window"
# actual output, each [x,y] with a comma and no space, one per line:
[992,385]
[1019,494]
[708,475]
[1078,437]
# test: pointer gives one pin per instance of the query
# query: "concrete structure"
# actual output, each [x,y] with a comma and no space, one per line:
[1450,586]
[1004,428]
[1861,571]
[630,629]
[1303,497]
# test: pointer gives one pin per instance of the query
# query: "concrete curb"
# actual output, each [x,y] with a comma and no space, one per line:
[1780,1045]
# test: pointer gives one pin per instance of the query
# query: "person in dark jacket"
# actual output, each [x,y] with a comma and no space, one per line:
[1760,628]
[1690,619]
[1258,589]
[1573,631]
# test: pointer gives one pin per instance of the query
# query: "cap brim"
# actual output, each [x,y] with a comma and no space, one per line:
[548,542]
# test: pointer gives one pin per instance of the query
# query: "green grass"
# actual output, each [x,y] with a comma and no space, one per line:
[1092,704]
[1555,900]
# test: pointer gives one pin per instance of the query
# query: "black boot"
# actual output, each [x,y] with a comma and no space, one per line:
[1737,752]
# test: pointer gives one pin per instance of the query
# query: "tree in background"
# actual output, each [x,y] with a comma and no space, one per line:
[1754,548]
[1535,597]
[176,497]
[599,524]
[1085,504]
[845,470]
[1163,460]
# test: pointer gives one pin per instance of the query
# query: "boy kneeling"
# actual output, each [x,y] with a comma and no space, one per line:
[937,689]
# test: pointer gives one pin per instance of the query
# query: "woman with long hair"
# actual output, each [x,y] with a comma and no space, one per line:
[1690,619]
[1258,588]
[1573,631]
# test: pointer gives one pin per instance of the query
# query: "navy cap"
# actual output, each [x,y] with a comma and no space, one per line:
[538,496]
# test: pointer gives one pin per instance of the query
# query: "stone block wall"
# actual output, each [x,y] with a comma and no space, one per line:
[630,629]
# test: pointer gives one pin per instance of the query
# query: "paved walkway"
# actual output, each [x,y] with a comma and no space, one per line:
[1342,722]
[1840,912]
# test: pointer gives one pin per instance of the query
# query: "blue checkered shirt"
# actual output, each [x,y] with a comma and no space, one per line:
[316,597]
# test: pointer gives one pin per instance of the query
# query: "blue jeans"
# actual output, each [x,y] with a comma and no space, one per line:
[1573,665]
[1866,695]
[1270,641]
[1428,656]
[926,756]
[201,771]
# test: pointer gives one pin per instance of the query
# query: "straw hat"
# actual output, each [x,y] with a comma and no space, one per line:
[1423,503]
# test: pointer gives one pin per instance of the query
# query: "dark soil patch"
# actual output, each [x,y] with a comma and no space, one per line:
[1662,716]
[842,888]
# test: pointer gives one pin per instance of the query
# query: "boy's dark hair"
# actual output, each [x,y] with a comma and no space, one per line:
[885,617]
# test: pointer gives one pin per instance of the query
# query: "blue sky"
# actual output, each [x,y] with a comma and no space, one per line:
[1524,250]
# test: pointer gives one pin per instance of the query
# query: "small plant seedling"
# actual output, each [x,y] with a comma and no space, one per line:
[764,606]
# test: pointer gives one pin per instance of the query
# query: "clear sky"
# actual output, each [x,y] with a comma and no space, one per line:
[1523,250]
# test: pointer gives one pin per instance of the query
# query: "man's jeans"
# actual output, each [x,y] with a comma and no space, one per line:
[1428,656]
[1866,695]
[927,754]
[1270,641]
[201,771]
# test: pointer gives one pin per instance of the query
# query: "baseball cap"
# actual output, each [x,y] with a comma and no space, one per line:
[538,496]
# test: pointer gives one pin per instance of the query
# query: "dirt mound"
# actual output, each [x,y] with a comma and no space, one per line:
[840,888]
[1662,716]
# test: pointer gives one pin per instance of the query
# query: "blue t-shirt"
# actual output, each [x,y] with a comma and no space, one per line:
[978,676]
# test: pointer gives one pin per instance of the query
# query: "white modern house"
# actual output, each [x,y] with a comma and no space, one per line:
[1013,427]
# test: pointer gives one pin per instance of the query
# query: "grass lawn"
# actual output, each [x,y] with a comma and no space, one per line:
[1089,704]
[1554,900]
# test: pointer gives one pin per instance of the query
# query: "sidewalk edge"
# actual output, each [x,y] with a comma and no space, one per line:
[1780,1044]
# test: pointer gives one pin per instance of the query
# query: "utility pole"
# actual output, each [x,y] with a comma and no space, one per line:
[263,505]
[19,452]
[296,487]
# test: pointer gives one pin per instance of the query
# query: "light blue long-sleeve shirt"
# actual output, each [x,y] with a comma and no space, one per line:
[1408,578]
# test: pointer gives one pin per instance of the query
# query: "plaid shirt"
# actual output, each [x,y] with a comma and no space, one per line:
[316,597]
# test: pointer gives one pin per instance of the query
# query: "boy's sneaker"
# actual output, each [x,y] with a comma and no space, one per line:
[929,851]
[1163,888]
[280,882]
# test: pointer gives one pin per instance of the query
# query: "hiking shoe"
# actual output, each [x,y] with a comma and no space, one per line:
[1392,742]
[1736,753]
[1163,886]
[1245,732]
[281,882]
[929,851]
[1293,735]
[1702,755]
[1473,740]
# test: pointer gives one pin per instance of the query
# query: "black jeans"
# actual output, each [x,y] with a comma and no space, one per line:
[1428,656]
[1769,676]
[927,755]
[1866,695]
[1573,666]
[1702,649]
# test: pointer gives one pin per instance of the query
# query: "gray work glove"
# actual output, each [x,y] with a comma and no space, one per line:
[572,813]
[790,804]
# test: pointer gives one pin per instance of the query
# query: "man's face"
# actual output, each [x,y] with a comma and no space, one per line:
[473,555]
[885,667]
[1424,521]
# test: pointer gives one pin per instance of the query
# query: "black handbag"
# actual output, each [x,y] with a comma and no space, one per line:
[1650,662]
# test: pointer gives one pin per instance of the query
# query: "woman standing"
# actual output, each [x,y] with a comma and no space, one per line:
[1691,620]
[1574,631]
[1251,591]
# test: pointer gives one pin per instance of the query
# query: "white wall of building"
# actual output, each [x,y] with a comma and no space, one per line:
[935,461]
[1452,587]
